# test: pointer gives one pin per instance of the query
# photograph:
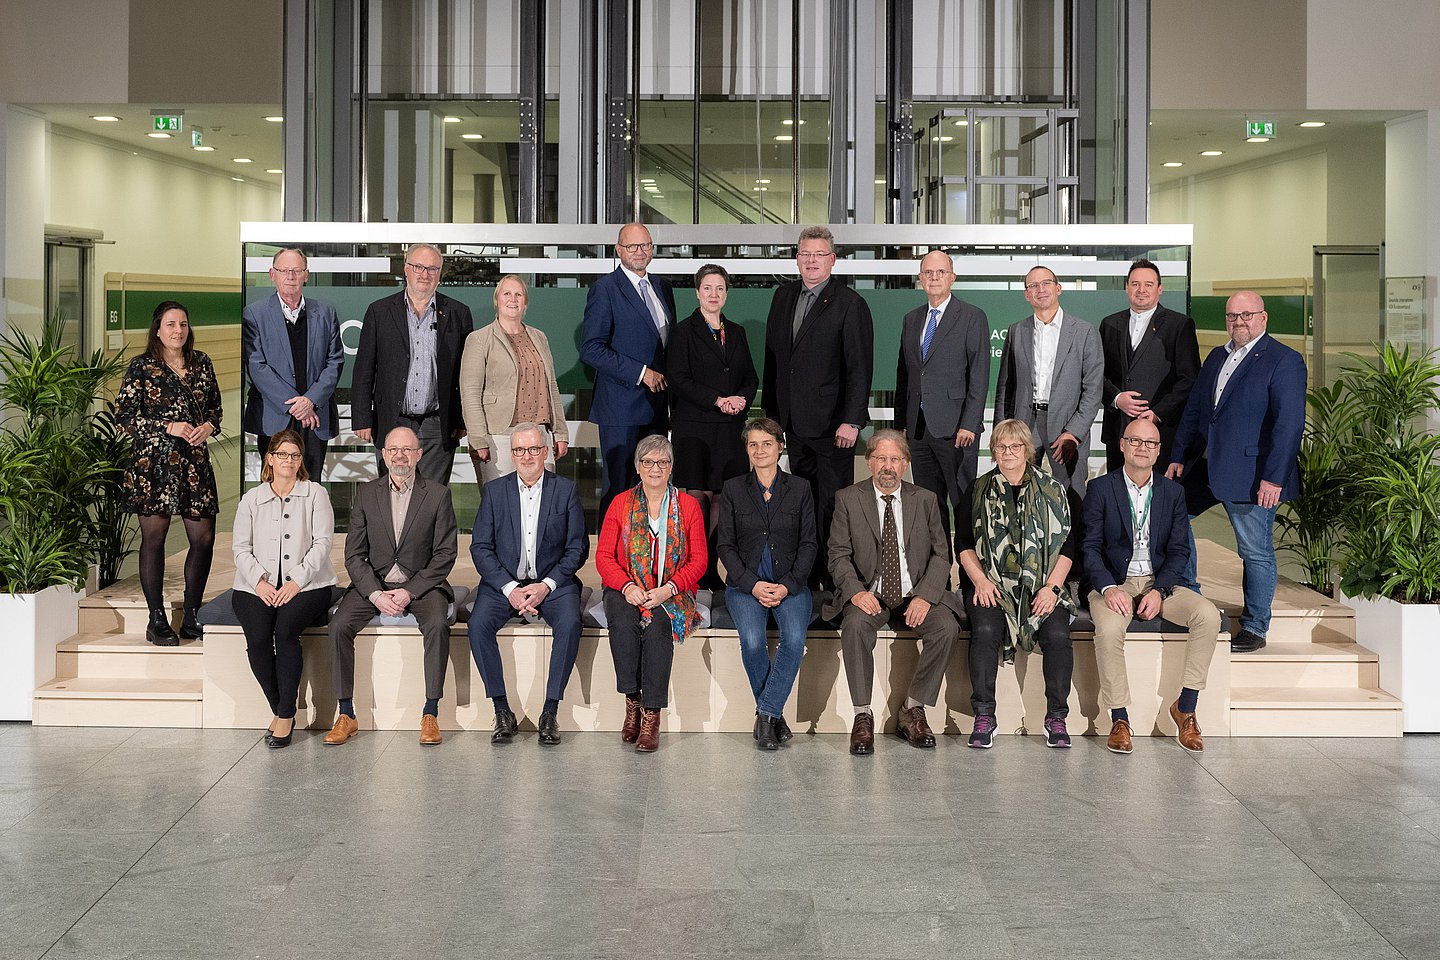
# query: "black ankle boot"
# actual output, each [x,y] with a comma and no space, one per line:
[159,631]
[765,737]
[190,626]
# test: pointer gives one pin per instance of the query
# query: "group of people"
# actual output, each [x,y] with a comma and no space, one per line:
[688,481]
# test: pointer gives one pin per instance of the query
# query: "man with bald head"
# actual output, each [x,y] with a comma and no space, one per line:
[1239,445]
[629,317]
[941,384]
[398,552]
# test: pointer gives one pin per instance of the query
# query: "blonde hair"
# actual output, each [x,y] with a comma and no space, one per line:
[1013,431]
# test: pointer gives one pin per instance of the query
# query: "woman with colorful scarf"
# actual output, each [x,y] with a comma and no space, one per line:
[651,556]
[1016,552]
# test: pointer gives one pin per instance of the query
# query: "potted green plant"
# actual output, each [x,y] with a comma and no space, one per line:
[1307,528]
[60,463]
[1390,519]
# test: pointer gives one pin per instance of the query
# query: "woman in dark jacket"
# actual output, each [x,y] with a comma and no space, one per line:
[712,384]
[767,540]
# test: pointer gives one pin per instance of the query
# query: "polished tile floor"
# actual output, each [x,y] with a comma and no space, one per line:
[202,843]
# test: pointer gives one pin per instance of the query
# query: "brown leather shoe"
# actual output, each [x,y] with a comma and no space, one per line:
[429,730]
[1120,741]
[631,730]
[911,726]
[1188,731]
[345,728]
[649,739]
[862,735]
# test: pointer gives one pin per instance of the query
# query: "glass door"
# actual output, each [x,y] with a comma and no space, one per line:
[67,271]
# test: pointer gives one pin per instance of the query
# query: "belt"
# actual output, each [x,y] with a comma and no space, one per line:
[1040,406]
[421,416]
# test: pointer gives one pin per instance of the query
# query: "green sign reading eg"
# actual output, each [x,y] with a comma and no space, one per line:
[167,124]
[1259,128]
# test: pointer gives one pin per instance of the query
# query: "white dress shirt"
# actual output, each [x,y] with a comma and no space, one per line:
[1237,356]
[1140,514]
[291,316]
[906,584]
[1047,348]
[530,497]
[1138,323]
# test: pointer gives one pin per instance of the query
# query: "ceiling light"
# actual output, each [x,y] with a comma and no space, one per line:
[204,149]
[472,136]
[647,179]
[274,170]
[784,138]
[106,118]
[762,181]
[760,189]
[243,160]
[791,122]
[880,180]
[158,136]
[962,123]
[1212,153]
[941,139]
[1173,163]
[1257,139]
[238,179]
[454,120]
[1307,123]
[274,119]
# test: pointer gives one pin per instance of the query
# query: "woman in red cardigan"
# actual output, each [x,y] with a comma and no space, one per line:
[651,556]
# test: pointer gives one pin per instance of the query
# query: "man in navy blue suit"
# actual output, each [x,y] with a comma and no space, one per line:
[629,316]
[529,541]
[1239,445]
[1137,542]
[293,358]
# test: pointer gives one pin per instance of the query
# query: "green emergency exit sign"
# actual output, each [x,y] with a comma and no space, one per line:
[1259,128]
[167,123]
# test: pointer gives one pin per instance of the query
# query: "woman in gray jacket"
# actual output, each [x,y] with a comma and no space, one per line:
[283,574]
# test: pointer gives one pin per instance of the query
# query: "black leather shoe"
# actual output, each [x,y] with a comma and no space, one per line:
[275,743]
[758,721]
[505,726]
[782,730]
[159,631]
[190,626]
[765,738]
[1247,642]
[549,730]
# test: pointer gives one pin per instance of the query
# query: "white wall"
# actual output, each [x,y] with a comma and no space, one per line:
[23,147]
[1371,56]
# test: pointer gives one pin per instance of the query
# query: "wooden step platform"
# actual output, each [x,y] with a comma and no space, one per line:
[119,702]
[1314,712]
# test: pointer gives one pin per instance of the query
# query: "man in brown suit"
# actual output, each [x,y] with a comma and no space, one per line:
[889,558]
[399,551]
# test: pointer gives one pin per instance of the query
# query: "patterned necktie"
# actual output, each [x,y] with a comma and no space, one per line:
[653,306]
[889,556]
[929,336]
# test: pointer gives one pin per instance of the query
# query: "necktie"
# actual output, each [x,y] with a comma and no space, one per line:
[889,556]
[653,306]
[802,307]
[929,335]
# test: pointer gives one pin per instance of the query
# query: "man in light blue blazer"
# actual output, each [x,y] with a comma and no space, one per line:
[629,317]
[292,361]
[1239,445]
[528,544]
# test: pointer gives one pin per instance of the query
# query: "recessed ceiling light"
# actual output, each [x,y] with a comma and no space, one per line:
[760,189]
[238,179]
[762,181]
[788,122]
[1212,153]
[941,139]
[158,136]
[204,149]
[784,138]
[1307,123]
[274,170]
[1173,163]
[243,160]
[472,136]
[879,179]
[647,179]
[454,120]
[1257,139]
[962,123]
[274,119]
[106,118]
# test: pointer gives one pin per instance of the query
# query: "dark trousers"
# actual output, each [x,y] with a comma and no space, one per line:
[828,469]
[313,450]
[987,636]
[435,459]
[560,610]
[858,630]
[272,642]
[355,612]
[617,453]
[945,470]
[643,650]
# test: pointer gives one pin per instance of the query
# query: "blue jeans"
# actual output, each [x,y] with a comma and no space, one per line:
[771,680]
[1254,527]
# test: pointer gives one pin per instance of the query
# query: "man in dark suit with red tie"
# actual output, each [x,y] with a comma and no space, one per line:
[629,317]
[1151,360]
[819,356]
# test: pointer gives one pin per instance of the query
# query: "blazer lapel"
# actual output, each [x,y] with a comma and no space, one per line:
[822,300]
[1121,496]
[387,515]
[1023,353]
[629,291]
[911,510]
[1243,370]
[945,327]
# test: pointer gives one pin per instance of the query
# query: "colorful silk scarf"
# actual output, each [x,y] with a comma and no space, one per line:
[640,549]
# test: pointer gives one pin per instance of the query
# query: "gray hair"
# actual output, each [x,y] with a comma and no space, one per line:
[527,427]
[425,246]
[654,443]
[276,259]
[894,436]
[819,233]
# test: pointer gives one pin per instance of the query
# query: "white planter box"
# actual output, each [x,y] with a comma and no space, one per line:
[33,623]
[1407,638]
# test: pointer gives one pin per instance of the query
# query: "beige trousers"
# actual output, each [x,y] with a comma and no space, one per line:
[1182,606]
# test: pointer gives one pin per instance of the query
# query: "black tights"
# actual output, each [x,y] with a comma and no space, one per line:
[201,533]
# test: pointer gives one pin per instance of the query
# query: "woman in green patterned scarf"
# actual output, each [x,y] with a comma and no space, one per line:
[1016,553]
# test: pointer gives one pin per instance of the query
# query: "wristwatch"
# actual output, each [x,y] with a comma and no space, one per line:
[1056,588]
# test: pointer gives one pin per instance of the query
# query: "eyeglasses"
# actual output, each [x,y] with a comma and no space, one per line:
[1039,285]
[648,464]
[887,461]
[528,451]
[422,269]
[935,274]
[288,457]
[1009,448]
[635,247]
[808,255]
[1247,316]
[289,271]
[1140,443]
[402,451]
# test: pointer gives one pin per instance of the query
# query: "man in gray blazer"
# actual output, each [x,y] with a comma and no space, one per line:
[1052,376]
[941,383]
[292,359]
[889,559]
[399,550]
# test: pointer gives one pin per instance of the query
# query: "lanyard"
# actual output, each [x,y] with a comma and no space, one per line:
[1142,521]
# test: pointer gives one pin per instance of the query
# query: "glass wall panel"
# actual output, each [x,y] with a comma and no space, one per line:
[990,50]
[451,48]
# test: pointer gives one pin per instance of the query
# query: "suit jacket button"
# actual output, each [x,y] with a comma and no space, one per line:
[287,536]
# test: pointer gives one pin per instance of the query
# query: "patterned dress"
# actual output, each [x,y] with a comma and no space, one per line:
[166,475]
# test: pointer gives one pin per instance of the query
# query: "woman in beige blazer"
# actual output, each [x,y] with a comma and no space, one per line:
[283,574]
[507,376]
